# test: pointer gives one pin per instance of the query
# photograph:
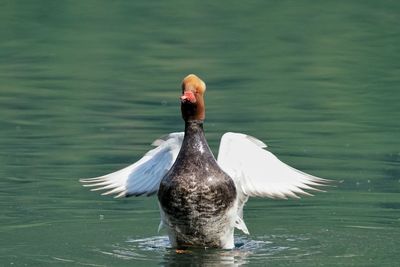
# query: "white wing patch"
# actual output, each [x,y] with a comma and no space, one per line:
[258,173]
[144,176]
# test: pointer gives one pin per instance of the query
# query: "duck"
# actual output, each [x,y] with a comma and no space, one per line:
[201,198]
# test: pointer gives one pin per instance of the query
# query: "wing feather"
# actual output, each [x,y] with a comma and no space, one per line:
[258,173]
[142,177]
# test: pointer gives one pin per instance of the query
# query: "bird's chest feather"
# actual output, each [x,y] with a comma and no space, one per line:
[196,187]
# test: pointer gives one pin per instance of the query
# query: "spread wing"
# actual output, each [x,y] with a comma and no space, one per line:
[258,173]
[142,177]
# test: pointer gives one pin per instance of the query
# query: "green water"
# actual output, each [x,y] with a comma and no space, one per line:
[86,86]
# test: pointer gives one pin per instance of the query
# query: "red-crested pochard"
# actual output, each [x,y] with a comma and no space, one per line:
[201,199]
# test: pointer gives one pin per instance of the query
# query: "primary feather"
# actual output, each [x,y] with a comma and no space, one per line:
[258,173]
[142,177]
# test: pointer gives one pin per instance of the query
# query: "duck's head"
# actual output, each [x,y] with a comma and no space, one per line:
[192,99]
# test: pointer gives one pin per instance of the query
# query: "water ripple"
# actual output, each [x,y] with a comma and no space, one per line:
[157,248]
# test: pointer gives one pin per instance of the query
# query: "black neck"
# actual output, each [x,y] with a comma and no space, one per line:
[194,133]
[194,126]
[194,142]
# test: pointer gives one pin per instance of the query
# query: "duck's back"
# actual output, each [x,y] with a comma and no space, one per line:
[196,197]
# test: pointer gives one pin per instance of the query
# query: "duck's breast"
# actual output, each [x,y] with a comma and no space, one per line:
[196,197]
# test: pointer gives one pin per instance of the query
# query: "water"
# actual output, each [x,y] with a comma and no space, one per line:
[86,86]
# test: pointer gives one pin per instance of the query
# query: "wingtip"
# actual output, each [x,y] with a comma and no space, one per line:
[84,180]
[120,195]
[91,180]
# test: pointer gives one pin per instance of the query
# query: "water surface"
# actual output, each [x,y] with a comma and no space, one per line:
[86,86]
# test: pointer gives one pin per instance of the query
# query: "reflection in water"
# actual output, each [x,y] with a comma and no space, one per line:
[158,247]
